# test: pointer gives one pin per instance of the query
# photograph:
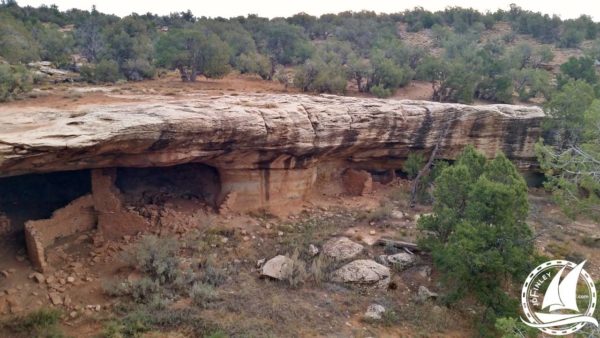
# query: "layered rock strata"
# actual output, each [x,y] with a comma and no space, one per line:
[266,151]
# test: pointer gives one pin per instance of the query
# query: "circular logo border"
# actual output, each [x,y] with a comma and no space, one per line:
[542,267]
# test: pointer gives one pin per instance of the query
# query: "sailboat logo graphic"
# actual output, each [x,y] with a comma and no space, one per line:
[567,304]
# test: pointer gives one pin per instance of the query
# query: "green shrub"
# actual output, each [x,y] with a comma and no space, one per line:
[513,328]
[134,321]
[255,63]
[321,77]
[144,290]
[107,71]
[138,69]
[155,256]
[413,164]
[40,323]
[212,274]
[104,71]
[86,72]
[14,80]
[202,294]
[381,92]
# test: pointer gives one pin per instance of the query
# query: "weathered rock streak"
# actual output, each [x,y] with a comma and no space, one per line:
[257,132]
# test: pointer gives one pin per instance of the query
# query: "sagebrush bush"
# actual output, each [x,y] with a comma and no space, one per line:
[202,294]
[14,80]
[298,274]
[156,257]
[212,274]
[144,289]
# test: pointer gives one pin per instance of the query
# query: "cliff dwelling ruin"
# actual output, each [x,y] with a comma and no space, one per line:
[167,166]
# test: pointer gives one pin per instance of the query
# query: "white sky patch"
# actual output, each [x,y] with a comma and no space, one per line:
[275,8]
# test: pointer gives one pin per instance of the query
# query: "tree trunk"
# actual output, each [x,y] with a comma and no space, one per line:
[184,75]
[273,66]
[427,168]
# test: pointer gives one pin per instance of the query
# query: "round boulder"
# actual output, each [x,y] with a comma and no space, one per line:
[341,248]
[401,261]
[363,271]
[278,267]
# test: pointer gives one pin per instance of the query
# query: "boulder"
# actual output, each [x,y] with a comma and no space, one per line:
[313,250]
[341,248]
[397,214]
[45,71]
[278,267]
[402,260]
[374,312]
[363,271]
[55,298]
[424,294]
[37,277]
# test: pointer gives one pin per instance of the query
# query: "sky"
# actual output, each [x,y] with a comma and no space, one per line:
[566,9]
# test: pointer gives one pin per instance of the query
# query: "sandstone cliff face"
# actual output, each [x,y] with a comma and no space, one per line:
[227,153]
[251,152]
[257,132]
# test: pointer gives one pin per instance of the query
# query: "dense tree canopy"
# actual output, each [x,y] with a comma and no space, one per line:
[570,154]
[193,52]
[362,49]
[477,233]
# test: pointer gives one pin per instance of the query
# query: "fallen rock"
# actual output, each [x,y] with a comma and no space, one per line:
[45,72]
[382,259]
[278,267]
[424,294]
[363,271]
[55,298]
[260,262]
[374,312]
[37,277]
[341,248]
[397,214]
[402,260]
[3,306]
[14,304]
[425,271]
[313,250]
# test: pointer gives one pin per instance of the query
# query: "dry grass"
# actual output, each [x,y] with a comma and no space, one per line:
[380,214]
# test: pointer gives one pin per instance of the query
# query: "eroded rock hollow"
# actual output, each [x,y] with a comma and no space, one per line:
[224,154]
